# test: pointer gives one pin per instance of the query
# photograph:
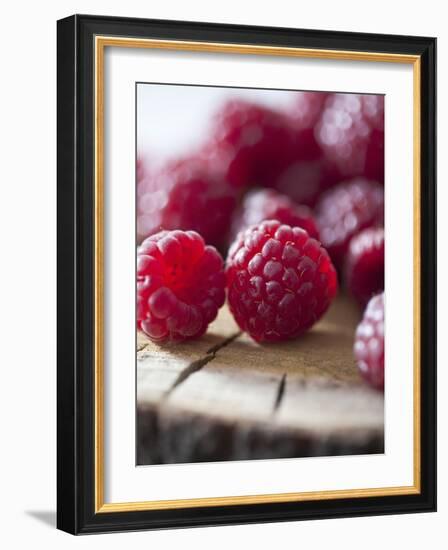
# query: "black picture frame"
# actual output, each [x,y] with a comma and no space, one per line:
[76,254]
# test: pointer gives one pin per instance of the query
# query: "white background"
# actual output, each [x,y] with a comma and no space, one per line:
[27,290]
[123,66]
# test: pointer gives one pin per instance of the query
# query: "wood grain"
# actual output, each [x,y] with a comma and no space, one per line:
[226,397]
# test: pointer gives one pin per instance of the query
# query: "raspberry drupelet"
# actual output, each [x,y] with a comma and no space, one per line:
[345,210]
[180,285]
[280,281]
[364,264]
[369,343]
[267,204]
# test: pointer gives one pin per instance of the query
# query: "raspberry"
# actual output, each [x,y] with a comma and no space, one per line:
[257,146]
[267,204]
[346,209]
[351,133]
[190,195]
[369,343]
[256,143]
[364,264]
[280,281]
[180,285]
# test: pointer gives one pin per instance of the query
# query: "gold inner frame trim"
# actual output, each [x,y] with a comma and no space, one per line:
[101,42]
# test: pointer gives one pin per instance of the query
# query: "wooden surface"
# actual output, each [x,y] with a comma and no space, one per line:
[225,397]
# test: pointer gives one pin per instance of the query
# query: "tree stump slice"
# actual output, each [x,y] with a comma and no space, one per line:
[225,397]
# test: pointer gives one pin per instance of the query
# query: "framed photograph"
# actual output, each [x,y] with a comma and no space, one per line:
[246,274]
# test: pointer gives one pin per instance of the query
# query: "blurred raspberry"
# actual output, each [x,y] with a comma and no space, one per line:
[280,281]
[187,194]
[256,143]
[369,343]
[351,133]
[259,147]
[364,264]
[268,204]
[180,286]
[346,209]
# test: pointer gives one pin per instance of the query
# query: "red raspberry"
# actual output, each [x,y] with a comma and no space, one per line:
[346,209]
[257,146]
[267,204]
[351,133]
[364,264]
[280,281]
[369,343]
[256,143]
[189,195]
[180,285]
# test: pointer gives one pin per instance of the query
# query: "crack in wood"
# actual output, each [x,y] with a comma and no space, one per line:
[197,365]
[188,371]
[141,346]
[214,349]
[280,393]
